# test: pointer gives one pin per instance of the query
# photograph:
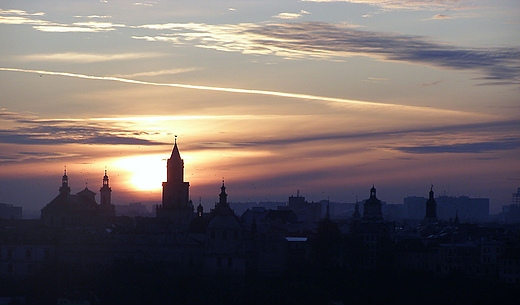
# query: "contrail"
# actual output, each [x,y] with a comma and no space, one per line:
[236,90]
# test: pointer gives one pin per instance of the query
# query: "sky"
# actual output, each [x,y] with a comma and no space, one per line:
[324,97]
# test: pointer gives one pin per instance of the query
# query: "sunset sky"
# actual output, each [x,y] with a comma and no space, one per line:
[323,96]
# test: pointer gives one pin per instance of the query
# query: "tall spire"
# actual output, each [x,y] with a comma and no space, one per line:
[175,151]
[175,166]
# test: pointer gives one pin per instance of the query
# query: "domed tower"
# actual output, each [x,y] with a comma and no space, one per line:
[105,191]
[224,246]
[106,208]
[176,204]
[372,208]
[65,189]
[431,207]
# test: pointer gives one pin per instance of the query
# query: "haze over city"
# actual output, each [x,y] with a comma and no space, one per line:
[325,97]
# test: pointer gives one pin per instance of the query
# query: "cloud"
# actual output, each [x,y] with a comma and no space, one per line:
[434,5]
[144,3]
[93,16]
[339,41]
[291,16]
[19,20]
[440,17]
[475,147]
[306,97]
[437,137]
[19,13]
[156,73]
[85,27]
[18,17]
[31,130]
[87,57]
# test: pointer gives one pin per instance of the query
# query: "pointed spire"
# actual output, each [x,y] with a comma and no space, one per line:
[431,192]
[175,151]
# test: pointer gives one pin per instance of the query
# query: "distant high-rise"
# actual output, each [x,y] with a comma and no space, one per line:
[516,197]
[176,204]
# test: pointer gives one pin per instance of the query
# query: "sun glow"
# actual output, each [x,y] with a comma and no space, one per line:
[144,172]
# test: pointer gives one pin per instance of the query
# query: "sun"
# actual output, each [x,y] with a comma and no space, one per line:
[144,172]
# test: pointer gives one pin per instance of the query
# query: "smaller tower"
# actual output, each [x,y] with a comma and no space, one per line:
[327,215]
[431,207]
[223,196]
[356,215]
[65,189]
[200,209]
[105,191]
[372,208]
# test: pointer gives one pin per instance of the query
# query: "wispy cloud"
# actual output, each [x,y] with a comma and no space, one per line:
[474,147]
[291,16]
[84,27]
[305,97]
[339,41]
[31,130]
[18,17]
[93,16]
[20,13]
[149,3]
[87,57]
[409,4]
[440,17]
[156,73]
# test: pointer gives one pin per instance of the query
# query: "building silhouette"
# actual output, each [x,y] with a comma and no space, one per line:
[431,207]
[81,209]
[176,204]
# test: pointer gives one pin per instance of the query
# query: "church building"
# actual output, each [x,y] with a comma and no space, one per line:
[81,209]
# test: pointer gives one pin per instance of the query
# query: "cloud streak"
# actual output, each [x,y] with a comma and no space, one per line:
[432,5]
[87,57]
[476,147]
[336,101]
[33,131]
[340,41]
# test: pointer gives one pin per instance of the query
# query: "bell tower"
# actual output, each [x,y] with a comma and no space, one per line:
[65,189]
[176,204]
[431,207]
[105,191]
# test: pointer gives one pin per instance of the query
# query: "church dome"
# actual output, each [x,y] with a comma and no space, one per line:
[224,222]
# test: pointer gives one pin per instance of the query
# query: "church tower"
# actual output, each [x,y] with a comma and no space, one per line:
[372,208]
[65,189]
[431,207]
[105,191]
[176,204]
[106,208]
